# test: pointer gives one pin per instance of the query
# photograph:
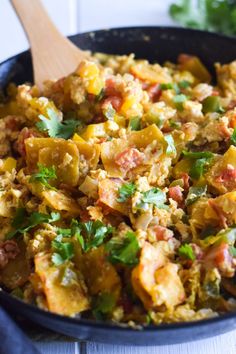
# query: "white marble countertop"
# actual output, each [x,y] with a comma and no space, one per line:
[73,16]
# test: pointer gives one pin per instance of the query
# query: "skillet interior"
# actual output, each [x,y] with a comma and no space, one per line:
[155,44]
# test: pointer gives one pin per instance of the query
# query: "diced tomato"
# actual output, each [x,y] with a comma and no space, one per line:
[232,122]
[162,233]
[12,123]
[215,93]
[154,92]
[110,87]
[23,135]
[129,158]
[176,194]
[185,178]
[228,177]
[219,256]
[115,101]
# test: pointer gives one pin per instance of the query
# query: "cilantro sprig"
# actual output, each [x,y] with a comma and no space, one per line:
[44,175]
[64,252]
[54,127]
[194,193]
[186,251]
[154,196]
[23,223]
[91,234]
[126,191]
[210,15]
[124,251]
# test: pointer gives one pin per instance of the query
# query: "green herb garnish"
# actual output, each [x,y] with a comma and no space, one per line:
[210,15]
[54,127]
[170,150]
[156,197]
[91,234]
[23,223]
[44,175]
[186,251]
[194,194]
[135,123]
[64,252]
[232,251]
[124,250]
[126,191]
[179,100]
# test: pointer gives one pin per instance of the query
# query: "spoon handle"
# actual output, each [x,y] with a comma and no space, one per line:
[54,56]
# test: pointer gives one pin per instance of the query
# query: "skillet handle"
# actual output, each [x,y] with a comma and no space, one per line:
[12,339]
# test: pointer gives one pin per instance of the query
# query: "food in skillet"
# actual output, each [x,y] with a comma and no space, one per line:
[118,191]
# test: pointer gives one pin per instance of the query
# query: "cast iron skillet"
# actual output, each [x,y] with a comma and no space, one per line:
[155,44]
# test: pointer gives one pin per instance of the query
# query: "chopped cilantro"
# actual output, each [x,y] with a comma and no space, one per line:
[123,250]
[54,127]
[186,251]
[166,86]
[233,138]
[91,234]
[64,252]
[155,196]
[44,175]
[23,223]
[184,84]
[103,305]
[170,150]
[195,193]
[174,124]
[179,100]
[135,123]
[126,191]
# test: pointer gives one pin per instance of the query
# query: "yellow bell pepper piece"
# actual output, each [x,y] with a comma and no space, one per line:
[8,164]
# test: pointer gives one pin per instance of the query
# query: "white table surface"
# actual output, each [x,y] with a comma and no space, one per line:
[73,16]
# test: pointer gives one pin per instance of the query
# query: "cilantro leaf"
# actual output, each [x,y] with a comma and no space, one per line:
[64,252]
[126,191]
[166,86]
[184,84]
[91,234]
[23,223]
[170,150]
[44,175]
[179,100]
[195,193]
[54,127]
[123,250]
[155,196]
[103,305]
[135,123]
[233,138]
[186,251]
[211,15]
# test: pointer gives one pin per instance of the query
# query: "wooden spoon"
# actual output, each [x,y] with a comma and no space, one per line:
[54,56]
